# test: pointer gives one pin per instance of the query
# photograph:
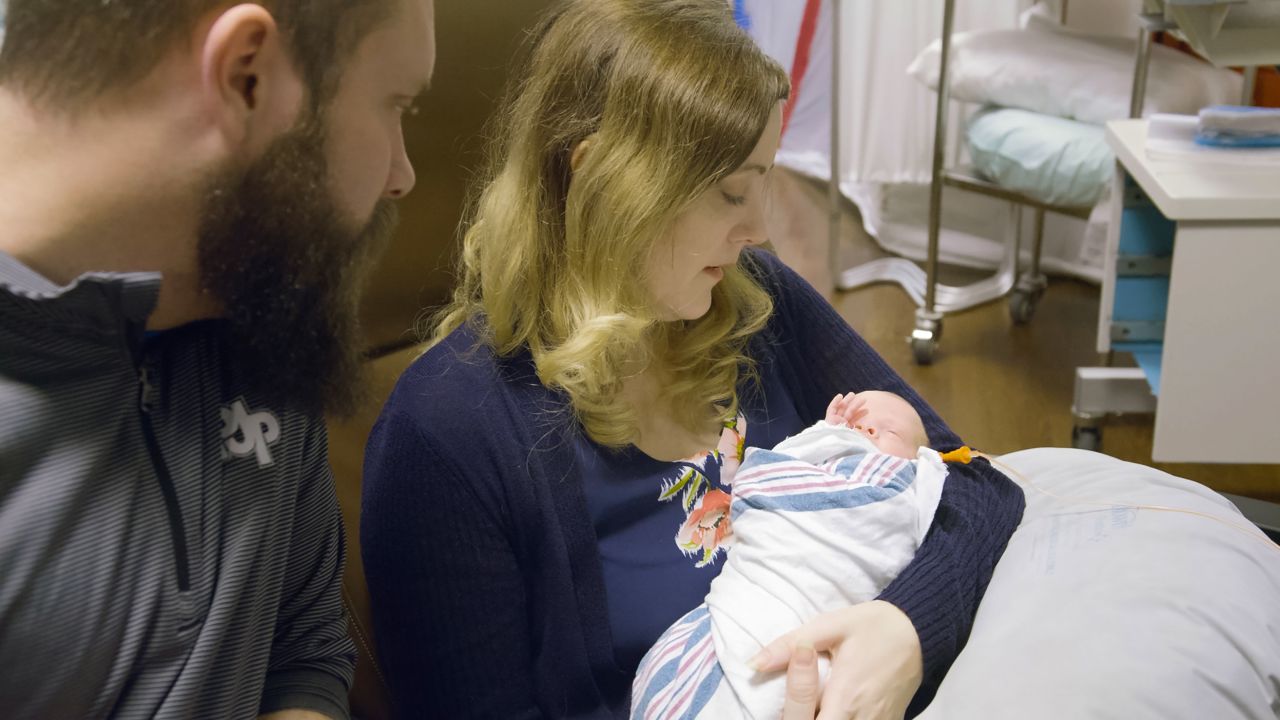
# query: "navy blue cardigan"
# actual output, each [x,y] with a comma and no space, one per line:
[488,595]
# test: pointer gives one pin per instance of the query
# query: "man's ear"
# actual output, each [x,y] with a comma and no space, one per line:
[246,76]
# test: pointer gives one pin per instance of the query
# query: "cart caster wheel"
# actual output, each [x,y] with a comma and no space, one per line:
[1022,306]
[923,349]
[924,338]
[1086,438]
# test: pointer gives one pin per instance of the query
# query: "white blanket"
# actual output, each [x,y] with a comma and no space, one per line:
[820,522]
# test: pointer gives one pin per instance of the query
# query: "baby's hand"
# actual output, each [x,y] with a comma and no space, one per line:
[845,409]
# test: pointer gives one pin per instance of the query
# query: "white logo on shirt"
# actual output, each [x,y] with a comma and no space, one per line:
[245,433]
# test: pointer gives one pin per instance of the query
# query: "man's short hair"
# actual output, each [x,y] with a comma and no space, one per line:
[67,53]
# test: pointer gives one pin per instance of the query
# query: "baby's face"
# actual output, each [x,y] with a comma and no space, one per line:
[891,423]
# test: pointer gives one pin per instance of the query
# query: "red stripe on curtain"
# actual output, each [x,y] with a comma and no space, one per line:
[804,46]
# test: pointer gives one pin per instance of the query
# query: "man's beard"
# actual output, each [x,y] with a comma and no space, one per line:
[288,268]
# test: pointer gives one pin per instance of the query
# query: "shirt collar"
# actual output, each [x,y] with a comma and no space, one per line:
[98,298]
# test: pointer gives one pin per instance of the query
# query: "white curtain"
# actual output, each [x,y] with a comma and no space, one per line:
[886,127]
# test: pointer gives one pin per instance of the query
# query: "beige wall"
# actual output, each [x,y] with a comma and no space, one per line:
[476,42]
[1108,17]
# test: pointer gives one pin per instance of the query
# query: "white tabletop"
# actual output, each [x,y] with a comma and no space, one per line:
[1189,189]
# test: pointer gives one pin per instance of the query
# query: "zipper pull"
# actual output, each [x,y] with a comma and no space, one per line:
[144,390]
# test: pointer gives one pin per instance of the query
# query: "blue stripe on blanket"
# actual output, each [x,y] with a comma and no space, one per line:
[705,690]
[813,502]
[666,674]
[856,494]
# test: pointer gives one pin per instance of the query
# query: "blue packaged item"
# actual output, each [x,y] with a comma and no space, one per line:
[1239,126]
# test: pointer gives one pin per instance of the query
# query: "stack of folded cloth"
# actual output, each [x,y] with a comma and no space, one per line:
[1239,126]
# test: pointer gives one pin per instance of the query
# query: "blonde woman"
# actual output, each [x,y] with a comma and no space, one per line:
[545,490]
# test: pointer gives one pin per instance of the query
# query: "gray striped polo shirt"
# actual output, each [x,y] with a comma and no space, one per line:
[170,546]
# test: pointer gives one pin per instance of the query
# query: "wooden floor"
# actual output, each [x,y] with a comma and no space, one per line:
[1001,387]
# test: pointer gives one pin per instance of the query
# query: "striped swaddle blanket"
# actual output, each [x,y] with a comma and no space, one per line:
[820,522]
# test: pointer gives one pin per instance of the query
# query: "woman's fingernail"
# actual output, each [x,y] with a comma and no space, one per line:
[757,662]
[804,656]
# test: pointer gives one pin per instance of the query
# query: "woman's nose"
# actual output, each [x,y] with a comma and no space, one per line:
[753,230]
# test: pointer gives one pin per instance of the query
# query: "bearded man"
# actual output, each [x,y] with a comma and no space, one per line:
[191,195]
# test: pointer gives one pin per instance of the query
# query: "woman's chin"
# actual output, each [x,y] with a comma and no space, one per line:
[692,308]
[694,311]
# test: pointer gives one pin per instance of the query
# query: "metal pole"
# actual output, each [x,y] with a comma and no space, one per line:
[1038,243]
[939,149]
[1250,82]
[833,189]
[1140,73]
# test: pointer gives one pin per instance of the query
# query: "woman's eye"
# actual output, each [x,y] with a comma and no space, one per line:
[734,199]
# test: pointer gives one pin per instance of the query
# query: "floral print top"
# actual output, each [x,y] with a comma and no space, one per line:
[707,529]
[661,530]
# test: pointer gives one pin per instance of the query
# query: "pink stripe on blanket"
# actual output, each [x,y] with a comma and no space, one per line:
[688,674]
[810,474]
[790,478]
[792,490]
[672,646]
[872,470]
[694,670]
[764,473]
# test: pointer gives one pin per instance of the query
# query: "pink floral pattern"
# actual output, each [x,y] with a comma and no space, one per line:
[707,529]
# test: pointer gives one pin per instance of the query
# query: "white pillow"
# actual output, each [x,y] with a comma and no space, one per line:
[1097,611]
[1072,75]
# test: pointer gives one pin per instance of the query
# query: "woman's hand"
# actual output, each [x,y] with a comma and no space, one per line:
[876,664]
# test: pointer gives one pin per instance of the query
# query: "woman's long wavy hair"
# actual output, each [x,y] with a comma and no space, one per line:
[673,97]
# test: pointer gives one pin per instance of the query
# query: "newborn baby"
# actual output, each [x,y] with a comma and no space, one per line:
[825,519]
